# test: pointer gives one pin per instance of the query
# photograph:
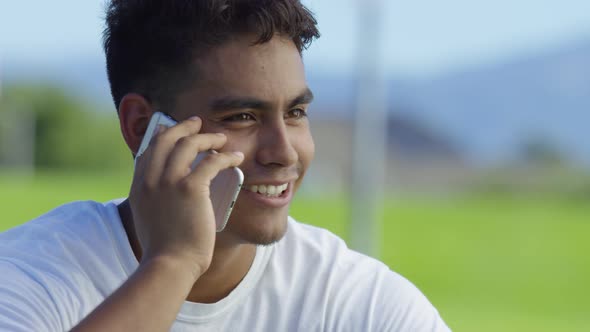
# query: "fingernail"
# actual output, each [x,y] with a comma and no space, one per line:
[238,153]
[194,118]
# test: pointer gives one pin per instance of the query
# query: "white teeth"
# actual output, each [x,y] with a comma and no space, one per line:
[271,190]
[268,190]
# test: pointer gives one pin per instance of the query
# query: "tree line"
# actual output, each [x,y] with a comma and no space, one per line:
[45,128]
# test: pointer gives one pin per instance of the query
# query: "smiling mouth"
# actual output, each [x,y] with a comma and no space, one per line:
[267,189]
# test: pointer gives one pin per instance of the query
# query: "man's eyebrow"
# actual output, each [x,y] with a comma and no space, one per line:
[236,103]
[306,97]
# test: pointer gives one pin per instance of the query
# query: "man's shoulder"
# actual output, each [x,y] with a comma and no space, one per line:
[314,248]
[317,246]
[62,220]
[309,234]
[59,234]
[57,262]
[311,241]
[355,285]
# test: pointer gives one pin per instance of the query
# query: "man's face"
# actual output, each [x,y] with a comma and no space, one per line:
[257,96]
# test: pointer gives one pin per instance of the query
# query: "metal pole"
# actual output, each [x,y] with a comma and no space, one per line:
[369,137]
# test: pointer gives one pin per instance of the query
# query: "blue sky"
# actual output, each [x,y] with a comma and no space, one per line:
[419,37]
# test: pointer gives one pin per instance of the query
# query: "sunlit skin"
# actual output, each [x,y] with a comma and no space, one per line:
[258,97]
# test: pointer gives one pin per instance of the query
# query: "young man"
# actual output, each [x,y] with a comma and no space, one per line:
[231,72]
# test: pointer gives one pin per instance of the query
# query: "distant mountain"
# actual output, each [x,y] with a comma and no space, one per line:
[491,112]
[487,112]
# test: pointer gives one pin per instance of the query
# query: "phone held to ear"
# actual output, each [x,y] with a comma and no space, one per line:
[224,188]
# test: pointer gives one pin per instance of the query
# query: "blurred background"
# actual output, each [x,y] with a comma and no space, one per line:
[481,170]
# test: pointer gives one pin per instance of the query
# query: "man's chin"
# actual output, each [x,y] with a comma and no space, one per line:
[259,231]
[264,238]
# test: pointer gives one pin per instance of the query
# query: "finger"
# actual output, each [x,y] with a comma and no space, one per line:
[163,143]
[212,164]
[187,127]
[185,151]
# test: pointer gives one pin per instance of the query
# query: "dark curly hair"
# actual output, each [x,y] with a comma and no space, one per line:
[150,44]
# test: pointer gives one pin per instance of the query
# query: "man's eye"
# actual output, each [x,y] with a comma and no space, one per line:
[297,113]
[241,117]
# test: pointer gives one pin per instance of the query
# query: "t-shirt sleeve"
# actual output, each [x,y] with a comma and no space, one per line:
[25,304]
[401,306]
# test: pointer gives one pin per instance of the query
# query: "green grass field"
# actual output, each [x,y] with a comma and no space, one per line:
[488,263]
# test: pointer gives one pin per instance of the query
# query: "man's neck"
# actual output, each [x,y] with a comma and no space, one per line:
[231,262]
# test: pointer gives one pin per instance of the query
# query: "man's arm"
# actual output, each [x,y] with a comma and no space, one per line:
[175,225]
[148,301]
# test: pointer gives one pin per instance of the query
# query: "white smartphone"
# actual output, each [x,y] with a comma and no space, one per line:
[225,187]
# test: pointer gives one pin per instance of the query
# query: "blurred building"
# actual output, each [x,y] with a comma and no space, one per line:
[418,158]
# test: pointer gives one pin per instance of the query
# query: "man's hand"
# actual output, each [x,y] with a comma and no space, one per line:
[175,224]
[172,212]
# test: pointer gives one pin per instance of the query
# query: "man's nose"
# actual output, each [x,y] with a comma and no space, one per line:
[276,145]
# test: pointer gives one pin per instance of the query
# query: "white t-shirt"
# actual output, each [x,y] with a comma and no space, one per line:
[57,268]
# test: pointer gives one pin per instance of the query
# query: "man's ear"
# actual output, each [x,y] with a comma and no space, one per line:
[134,116]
